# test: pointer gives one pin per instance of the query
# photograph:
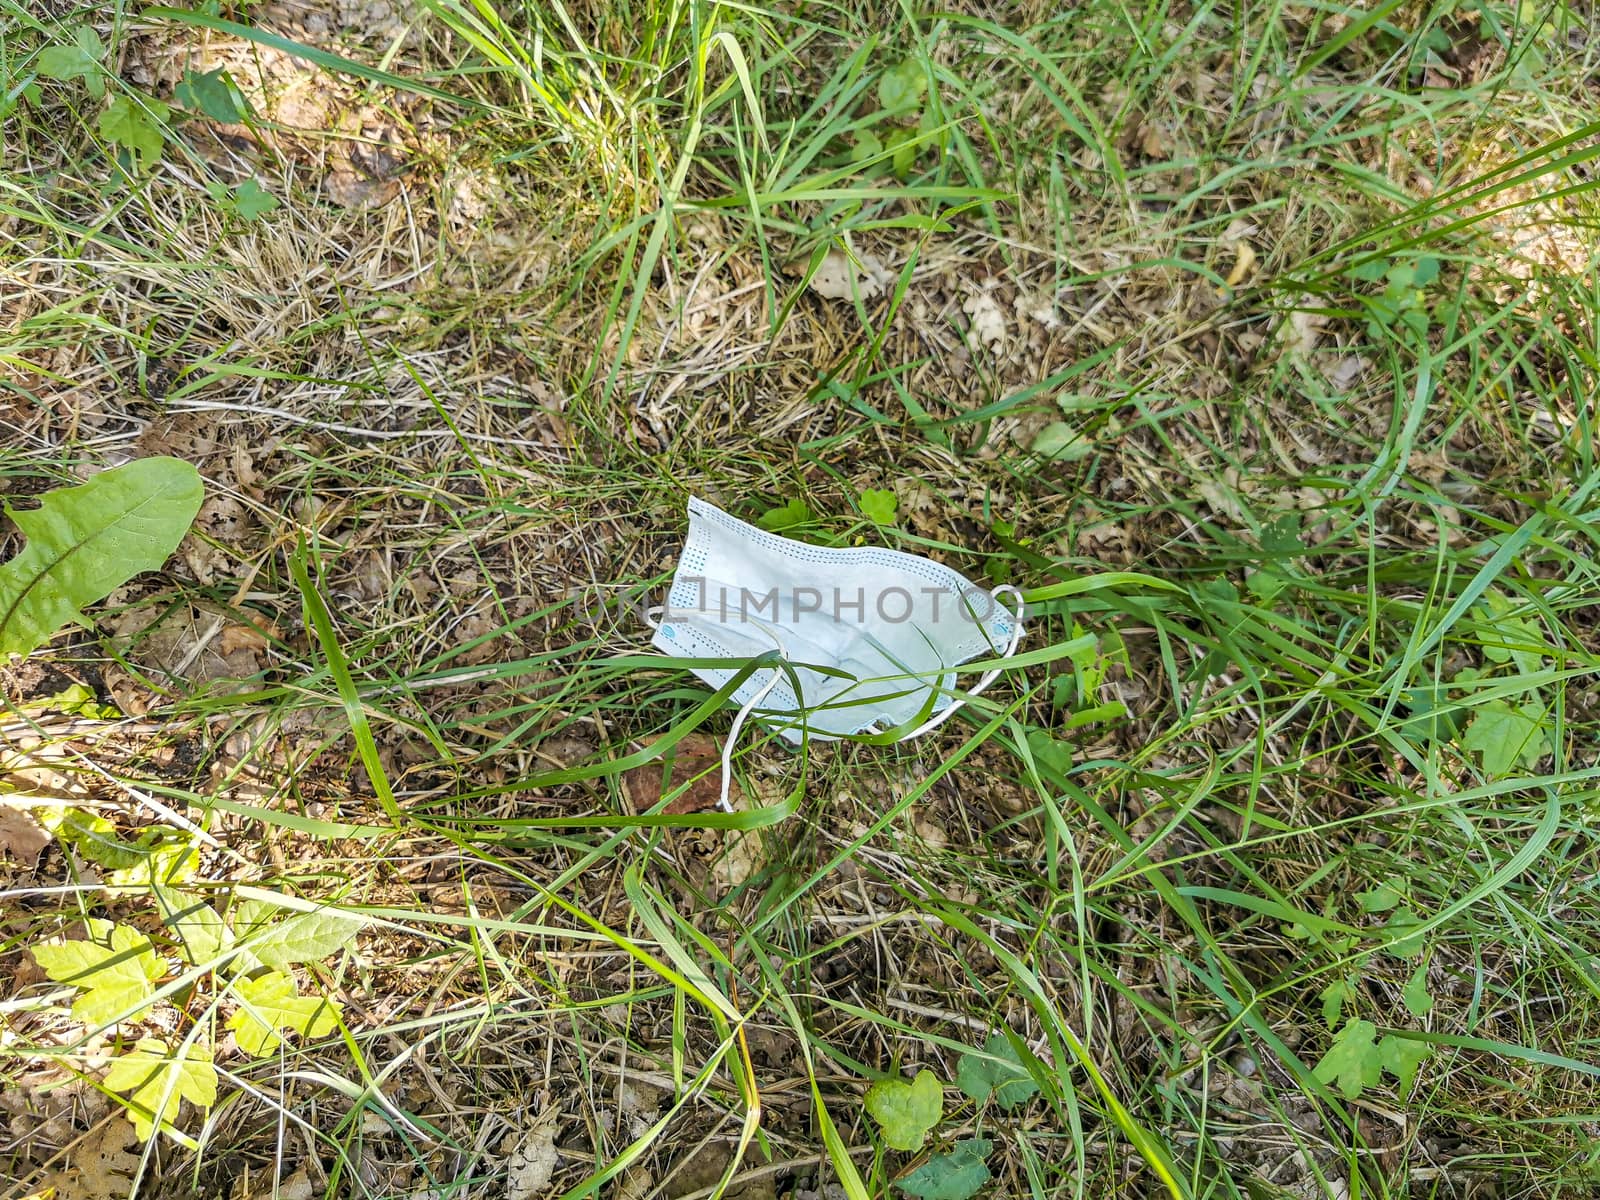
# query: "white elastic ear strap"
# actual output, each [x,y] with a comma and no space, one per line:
[733,736]
[749,705]
[988,676]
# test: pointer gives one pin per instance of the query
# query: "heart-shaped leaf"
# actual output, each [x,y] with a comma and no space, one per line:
[906,1111]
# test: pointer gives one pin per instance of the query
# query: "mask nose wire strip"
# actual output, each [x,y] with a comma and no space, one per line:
[733,736]
[987,677]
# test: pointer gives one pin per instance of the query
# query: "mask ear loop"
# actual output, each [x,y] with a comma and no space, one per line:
[652,617]
[987,677]
[733,733]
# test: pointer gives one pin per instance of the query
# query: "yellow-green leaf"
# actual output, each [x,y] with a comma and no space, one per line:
[95,837]
[906,1111]
[161,863]
[157,1080]
[879,505]
[302,937]
[199,929]
[271,1003]
[116,973]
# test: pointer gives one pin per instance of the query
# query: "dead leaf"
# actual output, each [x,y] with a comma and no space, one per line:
[1040,309]
[739,861]
[988,322]
[1153,141]
[838,278]
[697,755]
[532,1165]
[259,1186]
[349,189]
[1343,374]
[245,637]
[931,832]
[1301,332]
[185,643]
[101,1167]
[22,839]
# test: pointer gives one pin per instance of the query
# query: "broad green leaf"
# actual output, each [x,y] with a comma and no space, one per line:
[198,927]
[1353,1061]
[76,700]
[867,146]
[135,125]
[1433,718]
[998,1070]
[906,1111]
[1415,995]
[957,1174]
[1335,996]
[271,1003]
[163,861]
[901,87]
[902,143]
[95,837]
[1401,1058]
[78,59]
[796,512]
[1506,638]
[1380,899]
[251,201]
[302,937]
[156,1081]
[157,857]
[932,129]
[1503,736]
[251,915]
[116,973]
[213,93]
[248,918]
[879,505]
[1401,922]
[85,541]
[1062,442]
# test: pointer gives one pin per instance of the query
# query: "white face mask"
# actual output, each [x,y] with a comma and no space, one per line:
[889,627]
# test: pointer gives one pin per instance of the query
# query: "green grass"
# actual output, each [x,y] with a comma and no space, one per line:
[1330,524]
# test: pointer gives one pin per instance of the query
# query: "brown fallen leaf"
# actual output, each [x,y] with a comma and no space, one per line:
[697,755]
[1153,142]
[101,1167]
[245,637]
[22,839]
[349,189]
[262,1186]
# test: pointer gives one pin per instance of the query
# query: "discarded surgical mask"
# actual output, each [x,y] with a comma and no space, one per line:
[887,629]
